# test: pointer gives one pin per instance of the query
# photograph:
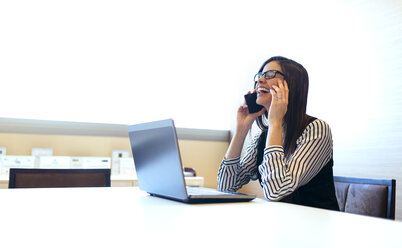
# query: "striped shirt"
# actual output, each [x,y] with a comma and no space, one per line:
[279,176]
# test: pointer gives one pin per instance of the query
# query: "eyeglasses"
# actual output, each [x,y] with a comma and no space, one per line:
[268,74]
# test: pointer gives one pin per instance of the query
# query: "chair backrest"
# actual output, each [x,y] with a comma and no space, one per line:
[56,178]
[190,171]
[366,196]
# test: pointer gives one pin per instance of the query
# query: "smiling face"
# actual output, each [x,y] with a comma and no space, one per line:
[263,85]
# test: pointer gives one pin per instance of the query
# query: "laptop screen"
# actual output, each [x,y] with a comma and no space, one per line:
[157,158]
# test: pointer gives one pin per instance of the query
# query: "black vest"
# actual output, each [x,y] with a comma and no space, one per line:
[319,192]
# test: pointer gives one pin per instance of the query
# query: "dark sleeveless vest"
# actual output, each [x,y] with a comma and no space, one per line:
[319,192]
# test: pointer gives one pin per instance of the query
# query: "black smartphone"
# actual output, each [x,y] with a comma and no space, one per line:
[251,99]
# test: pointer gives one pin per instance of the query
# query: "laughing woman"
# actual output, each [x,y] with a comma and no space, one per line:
[292,155]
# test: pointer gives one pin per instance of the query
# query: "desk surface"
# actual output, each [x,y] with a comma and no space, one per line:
[126,217]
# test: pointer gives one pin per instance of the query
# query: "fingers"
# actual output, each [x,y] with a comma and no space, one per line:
[286,85]
[261,112]
[273,93]
[243,107]
[280,92]
[285,88]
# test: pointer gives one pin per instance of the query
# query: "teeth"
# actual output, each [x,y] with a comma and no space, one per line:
[262,90]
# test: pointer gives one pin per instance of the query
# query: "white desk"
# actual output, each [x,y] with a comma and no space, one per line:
[124,181]
[127,217]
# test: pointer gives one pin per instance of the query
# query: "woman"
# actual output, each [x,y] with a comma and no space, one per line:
[292,155]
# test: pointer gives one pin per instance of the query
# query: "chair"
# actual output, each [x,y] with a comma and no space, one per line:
[56,178]
[189,172]
[372,197]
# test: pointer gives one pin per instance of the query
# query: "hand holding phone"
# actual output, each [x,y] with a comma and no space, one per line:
[252,105]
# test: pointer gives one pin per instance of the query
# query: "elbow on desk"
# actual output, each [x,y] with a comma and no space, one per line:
[275,196]
[272,198]
[224,187]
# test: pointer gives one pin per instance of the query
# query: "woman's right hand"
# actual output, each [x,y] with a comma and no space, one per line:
[244,122]
[245,119]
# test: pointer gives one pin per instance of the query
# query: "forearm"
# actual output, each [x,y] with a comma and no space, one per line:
[276,181]
[274,137]
[227,175]
[235,172]
[236,145]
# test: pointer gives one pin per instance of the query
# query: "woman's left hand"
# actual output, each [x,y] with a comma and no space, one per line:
[279,103]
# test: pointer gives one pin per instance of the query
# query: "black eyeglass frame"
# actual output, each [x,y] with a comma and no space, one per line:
[265,74]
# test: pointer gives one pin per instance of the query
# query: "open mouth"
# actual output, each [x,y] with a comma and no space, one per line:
[261,90]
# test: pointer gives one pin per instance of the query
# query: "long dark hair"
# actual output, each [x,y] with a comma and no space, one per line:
[295,119]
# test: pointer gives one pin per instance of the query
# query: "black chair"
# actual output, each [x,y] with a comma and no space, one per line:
[57,178]
[190,171]
[366,196]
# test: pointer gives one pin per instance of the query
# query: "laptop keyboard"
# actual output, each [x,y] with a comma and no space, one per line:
[205,191]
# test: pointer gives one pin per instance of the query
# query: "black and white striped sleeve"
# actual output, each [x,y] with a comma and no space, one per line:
[234,173]
[280,177]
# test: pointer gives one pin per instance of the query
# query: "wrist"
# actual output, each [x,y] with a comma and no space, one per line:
[275,125]
[241,132]
[243,129]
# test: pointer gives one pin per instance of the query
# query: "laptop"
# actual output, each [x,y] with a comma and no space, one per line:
[159,169]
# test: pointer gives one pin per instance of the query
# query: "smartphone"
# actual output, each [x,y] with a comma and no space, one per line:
[252,105]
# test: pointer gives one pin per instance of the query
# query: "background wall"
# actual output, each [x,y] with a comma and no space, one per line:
[204,156]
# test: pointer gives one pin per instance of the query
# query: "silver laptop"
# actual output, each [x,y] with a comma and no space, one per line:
[159,169]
